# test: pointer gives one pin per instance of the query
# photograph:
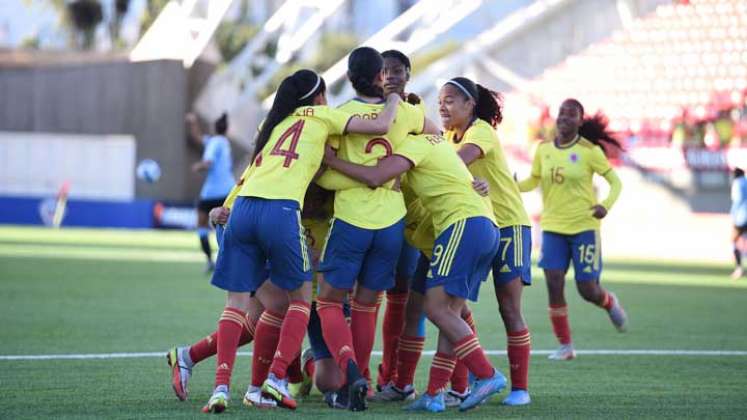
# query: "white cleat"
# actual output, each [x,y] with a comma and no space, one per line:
[517,397]
[617,315]
[254,398]
[565,352]
[455,399]
[391,393]
[737,273]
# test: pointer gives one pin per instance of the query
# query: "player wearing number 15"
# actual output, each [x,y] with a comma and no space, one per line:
[570,216]
[265,225]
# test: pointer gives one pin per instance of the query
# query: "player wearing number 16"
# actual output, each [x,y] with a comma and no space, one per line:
[265,225]
[571,214]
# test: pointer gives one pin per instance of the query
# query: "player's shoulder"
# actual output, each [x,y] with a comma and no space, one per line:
[586,144]
[480,128]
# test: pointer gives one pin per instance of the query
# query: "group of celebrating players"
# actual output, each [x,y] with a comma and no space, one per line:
[341,206]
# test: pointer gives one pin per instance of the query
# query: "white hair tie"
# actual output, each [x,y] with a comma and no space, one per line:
[316,85]
[463,89]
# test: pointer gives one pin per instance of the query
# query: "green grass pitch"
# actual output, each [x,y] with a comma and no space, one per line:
[96,291]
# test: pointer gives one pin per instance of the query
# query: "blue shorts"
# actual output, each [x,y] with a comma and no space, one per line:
[462,257]
[259,231]
[219,230]
[316,338]
[583,248]
[421,274]
[368,255]
[408,261]
[514,258]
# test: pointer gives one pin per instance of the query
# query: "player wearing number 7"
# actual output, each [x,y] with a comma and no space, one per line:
[265,225]
[571,214]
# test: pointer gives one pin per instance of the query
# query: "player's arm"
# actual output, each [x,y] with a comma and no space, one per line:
[336,181]
[530,183]
[194,133]
[373,176]
[601,165]
[469,153]
[379,125]
[429,127]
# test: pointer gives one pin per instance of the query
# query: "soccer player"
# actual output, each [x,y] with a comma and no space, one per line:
[217,164]
[467,240]
[265,226]
[571,215]
[366,234]
[397,69]
[470,113]
[739,217]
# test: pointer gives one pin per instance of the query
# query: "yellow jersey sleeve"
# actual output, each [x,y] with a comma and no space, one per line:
[598,161]
[415,149]
[537,162]
[481,136]
[336,120]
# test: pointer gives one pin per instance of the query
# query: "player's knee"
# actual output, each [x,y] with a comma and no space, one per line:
[589,291]
[367,296]
[328,377]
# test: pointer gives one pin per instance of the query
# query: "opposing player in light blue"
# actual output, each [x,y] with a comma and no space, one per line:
[217,165]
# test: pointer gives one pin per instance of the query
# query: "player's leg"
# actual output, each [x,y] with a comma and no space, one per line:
[554,259]
[394,315]
[203,232]
[511,273]
[587,263]
[340,264]
[736,235]
[459,390]
[319,364]
[376,275]
[181,360]
[267,336]
[240,270]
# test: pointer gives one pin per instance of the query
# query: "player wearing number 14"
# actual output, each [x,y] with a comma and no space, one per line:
[571,215]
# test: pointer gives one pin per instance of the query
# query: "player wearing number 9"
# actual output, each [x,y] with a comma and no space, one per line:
[265,225]
[571,214]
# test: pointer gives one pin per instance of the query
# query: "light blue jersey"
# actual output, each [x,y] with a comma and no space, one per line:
[739,201]
[219,179]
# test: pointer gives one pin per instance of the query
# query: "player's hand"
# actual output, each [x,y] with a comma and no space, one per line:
[198,167]
[219,215]
[599,211]
[481,186]
[330,154]
[190,118]
[413,99]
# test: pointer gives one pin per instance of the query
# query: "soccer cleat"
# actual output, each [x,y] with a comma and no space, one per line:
[300,389]
[218,402]
[484,389]
[617,314]
[278,390]
[179,373]
[209,267]
[517,397]
[337,400]
[254,398]
[737,273]
[564,352]
[357,388]
[390,393]
[454,399]
[430,403]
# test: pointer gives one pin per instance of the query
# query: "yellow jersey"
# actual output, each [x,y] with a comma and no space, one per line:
[492,166]
[418,222]
[365,207]
[293,154]
[565,174]
[441,181]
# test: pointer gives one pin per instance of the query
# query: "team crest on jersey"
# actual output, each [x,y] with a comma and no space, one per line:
[573,157]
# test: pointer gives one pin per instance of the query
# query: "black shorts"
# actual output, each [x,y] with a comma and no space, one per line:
[209,204]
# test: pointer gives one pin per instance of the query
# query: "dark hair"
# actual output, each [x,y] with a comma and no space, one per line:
[738,172]
[221,124]
[364,64]
[399,56]
[298,89]
[595,128]
[488,103]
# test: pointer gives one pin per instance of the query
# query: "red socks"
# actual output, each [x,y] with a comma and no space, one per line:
[265,344]
[230,325]
[560,325]
[460,377]
[336,332]
[208,346]
[363,329]
[309,368]
[394,322]
[441,369]
[408,354]
[469,351]
[519,345]
[607,301]
[291,337]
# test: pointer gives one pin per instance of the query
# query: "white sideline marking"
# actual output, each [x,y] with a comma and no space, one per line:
[378,353]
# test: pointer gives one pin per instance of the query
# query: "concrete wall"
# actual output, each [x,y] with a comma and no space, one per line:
[147,100]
